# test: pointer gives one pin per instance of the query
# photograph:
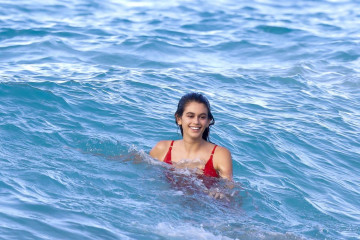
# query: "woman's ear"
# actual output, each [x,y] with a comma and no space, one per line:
[178,120]
[209,122]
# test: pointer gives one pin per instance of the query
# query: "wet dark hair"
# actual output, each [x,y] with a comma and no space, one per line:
[199,98]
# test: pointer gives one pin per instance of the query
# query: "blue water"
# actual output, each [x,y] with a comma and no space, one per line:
[88,87]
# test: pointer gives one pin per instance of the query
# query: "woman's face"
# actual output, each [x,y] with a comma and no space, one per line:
[194,120]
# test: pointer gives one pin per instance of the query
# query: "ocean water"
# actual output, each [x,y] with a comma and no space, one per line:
[88,87]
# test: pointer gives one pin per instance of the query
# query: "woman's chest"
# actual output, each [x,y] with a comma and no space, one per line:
[197,163]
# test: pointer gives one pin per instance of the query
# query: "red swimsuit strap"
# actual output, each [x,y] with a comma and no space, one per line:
[167,158]
[209,169]
[213,151]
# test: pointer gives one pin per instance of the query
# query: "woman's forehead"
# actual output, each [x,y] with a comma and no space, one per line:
[196,107]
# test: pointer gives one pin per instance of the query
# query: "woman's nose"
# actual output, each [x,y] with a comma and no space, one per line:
[197,120]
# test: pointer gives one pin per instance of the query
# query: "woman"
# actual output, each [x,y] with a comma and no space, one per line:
[194,151]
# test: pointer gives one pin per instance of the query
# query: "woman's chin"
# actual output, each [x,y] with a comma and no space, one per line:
[195,135]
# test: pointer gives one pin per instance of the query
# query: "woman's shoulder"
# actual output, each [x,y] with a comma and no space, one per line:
[160,148]
[222,156]
[219,150]
[163,144]
[222,149]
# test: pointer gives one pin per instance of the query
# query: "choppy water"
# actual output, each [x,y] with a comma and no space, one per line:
[88,87]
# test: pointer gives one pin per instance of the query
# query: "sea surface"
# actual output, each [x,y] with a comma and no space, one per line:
[88,87]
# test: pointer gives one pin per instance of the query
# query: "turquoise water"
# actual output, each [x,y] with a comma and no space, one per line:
[88,87]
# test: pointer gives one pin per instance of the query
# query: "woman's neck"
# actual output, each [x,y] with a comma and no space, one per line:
[192,145]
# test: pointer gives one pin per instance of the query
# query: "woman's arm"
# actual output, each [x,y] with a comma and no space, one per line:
[223,163]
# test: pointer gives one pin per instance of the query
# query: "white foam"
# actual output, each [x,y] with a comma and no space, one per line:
[186,231]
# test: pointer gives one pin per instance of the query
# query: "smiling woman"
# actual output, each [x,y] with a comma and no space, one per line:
[194,150]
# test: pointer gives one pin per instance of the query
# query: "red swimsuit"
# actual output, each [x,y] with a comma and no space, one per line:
[209,169]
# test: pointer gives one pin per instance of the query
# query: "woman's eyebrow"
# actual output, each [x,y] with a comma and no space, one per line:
[194,113]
